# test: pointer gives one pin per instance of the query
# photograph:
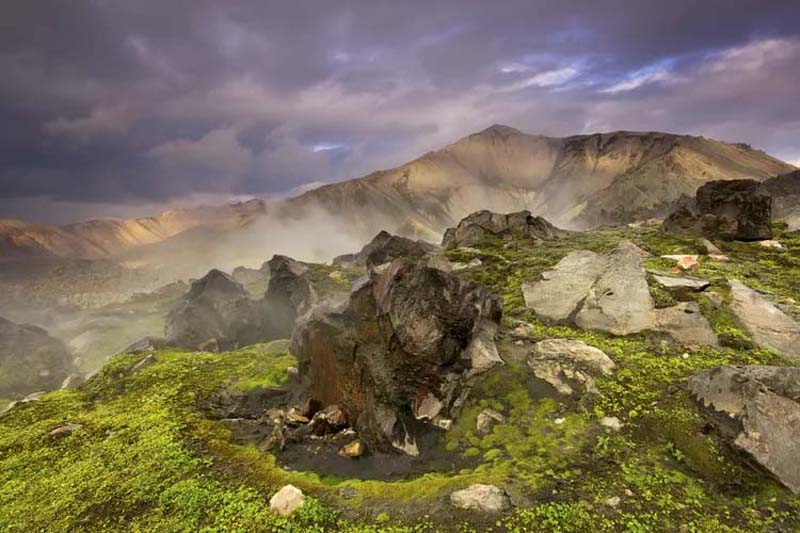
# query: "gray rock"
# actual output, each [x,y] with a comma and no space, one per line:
[486,421]
[481,497]
[611,422]
[708,247]
[289,296]
[476,227]
[609,292]
[216,313]
[385,248]
[767,325]
[31,360]
[619,301]
[570,366]
[756,408]
[682,282]
[144,345]
[561,290]
[287,500]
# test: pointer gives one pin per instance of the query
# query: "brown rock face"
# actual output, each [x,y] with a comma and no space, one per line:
[289,295]
[401,351]
[727,209]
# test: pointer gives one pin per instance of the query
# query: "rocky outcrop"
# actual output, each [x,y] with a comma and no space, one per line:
[756,409]
[609,292]
[765,322]
[31,360]
[785,192]
[290,294]
[481,497]
[400,353]
[570,366]
[385,248]
[726,209]
[476,227]
[216,314]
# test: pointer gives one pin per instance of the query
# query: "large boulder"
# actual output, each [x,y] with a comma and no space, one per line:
[476,227]
[785,192]
[609,292]
[216,314]
[290,294]
[31,360]
[756,409]
[385,248]
[400,353]
[765,322]
[726,209]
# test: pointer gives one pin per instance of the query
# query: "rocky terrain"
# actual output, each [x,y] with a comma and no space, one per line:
[519,377]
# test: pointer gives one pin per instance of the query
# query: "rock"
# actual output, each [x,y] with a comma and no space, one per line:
[216,313]
[685,324]
[708,247]
[487,420]
[248,276]
[767,325]
[348,493]
[727,209]
[289,296]
[353,449]
[292,373]
[611,422]
[344,260]
[144,345]
[756,409]
[681,282]
[385,248]
[770,243]
[456,267]
[609,292]
[144,363]
[476,227]
[619,301]
[31,360]
[570,366]
[684,262]
[613,501]
[408,340]
[72,382]
[480,497]
[561,290]
[287,500]
[63,431]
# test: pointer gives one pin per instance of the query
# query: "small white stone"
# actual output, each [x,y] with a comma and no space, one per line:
[685,355]
[559,421]
[611,422]
[287,500]
[613,501]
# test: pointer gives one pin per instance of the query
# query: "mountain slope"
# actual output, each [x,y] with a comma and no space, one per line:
[576,181]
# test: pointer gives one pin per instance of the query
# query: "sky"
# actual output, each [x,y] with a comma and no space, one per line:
[121,108]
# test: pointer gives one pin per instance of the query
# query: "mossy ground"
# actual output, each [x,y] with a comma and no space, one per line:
[147,459]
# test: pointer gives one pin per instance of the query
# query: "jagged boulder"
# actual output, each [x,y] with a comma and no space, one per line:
[290,294]
[400,353]
[216,314]
[482,224]
[609,292]
[756,409]
[31,360]
[765,322]
[385,248]
[726,209]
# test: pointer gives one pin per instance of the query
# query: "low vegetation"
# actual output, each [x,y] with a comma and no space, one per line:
[146,458]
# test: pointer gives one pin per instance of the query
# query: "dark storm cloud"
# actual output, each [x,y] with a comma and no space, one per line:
[148,102]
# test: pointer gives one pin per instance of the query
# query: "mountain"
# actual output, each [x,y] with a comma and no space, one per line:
[575,182]
[107,237]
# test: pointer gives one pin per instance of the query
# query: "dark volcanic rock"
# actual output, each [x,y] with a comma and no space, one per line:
[756,409]
[31,360]
[785,192]
[479,225]
[400,353]
[385,248]
[727,209]
[289,295]
[217,313]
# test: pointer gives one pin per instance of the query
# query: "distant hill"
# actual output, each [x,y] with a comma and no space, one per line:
[576,182]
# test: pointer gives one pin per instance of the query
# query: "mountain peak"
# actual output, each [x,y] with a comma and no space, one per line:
[498,130]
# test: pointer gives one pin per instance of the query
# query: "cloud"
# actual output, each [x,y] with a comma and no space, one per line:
[118,105]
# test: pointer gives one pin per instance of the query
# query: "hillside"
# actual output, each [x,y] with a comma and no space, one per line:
[147,443]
